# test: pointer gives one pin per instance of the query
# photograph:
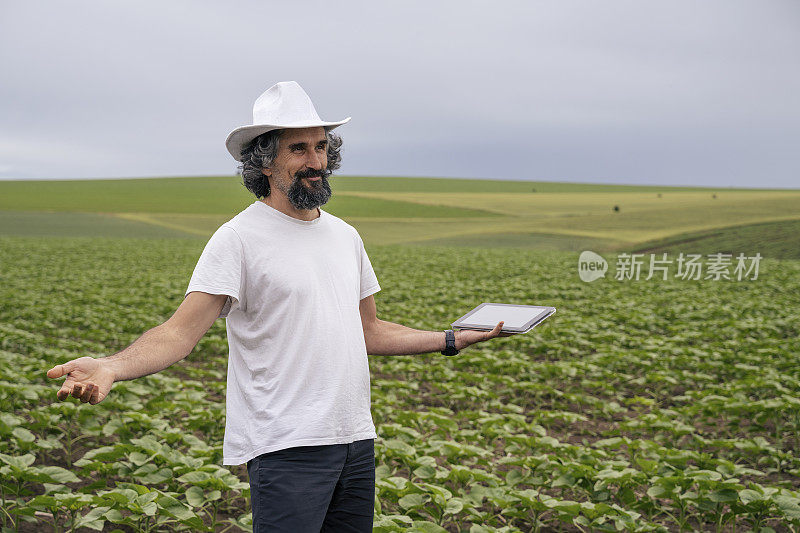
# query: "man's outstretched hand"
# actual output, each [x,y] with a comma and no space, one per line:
[465,337]
[88,379]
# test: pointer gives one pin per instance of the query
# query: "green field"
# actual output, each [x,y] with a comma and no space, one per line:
[486,213]
[641,405]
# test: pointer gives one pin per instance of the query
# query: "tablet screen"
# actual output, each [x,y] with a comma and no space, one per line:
[514,317]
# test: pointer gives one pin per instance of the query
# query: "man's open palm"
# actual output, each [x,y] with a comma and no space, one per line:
[467,337]
[87,379]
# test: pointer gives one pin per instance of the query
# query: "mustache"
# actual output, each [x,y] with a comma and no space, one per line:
[310,173]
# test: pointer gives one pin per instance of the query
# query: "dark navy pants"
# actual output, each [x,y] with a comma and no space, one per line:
[312,489]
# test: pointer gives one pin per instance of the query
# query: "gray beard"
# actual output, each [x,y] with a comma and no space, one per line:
[316,194]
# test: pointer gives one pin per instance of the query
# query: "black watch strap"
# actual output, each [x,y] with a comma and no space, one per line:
[450,343]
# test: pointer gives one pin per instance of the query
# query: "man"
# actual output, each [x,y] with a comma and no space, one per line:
[296,288]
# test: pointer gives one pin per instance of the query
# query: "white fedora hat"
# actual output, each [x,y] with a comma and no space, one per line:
[284,105]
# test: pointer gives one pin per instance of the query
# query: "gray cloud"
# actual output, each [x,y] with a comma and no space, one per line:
[626,92]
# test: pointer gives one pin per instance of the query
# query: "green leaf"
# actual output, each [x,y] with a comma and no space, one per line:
[442,492]
[196,476]
[514,477]
[19,461]
[564,480]
[788,505]
[454,506]
[396,482]
[724,495]
[119,496]
[135,487]
[413,501]
[179,511]
[56,474]
[145,469]
[55,487]
[385,525]
[569,507]
[157,477]
[8,421]
[114,515]
[93,519]
[23,435]
[147,497]
[427,527]
[195,496]
[44,502]
[425,472]
[658,491]
[138,458]
[399,448]
[105,454]
[382,471]
[749,496]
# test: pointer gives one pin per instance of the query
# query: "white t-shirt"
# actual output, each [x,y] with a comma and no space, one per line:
[298,373]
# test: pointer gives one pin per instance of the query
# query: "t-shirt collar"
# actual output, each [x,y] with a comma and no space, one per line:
[283,216]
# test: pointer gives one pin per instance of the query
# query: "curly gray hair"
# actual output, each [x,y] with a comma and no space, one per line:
[261,152]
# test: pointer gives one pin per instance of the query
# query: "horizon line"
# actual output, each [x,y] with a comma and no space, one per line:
[377,176]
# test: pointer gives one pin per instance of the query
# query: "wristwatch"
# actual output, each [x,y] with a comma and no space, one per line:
[450,343]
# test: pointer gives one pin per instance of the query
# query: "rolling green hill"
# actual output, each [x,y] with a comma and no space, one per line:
[424,211]
[770,239]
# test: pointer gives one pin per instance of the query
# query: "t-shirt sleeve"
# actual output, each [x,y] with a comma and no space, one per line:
[369,282]
[220,269]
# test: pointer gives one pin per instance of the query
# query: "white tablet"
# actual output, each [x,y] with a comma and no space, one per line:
[516,318]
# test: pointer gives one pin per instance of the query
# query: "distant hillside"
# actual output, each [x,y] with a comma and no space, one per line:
[771,239]
[428,211]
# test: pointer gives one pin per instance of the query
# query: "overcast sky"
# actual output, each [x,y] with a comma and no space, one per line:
[670,92]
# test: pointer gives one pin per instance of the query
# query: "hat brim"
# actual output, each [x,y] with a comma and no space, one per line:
[241,136]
